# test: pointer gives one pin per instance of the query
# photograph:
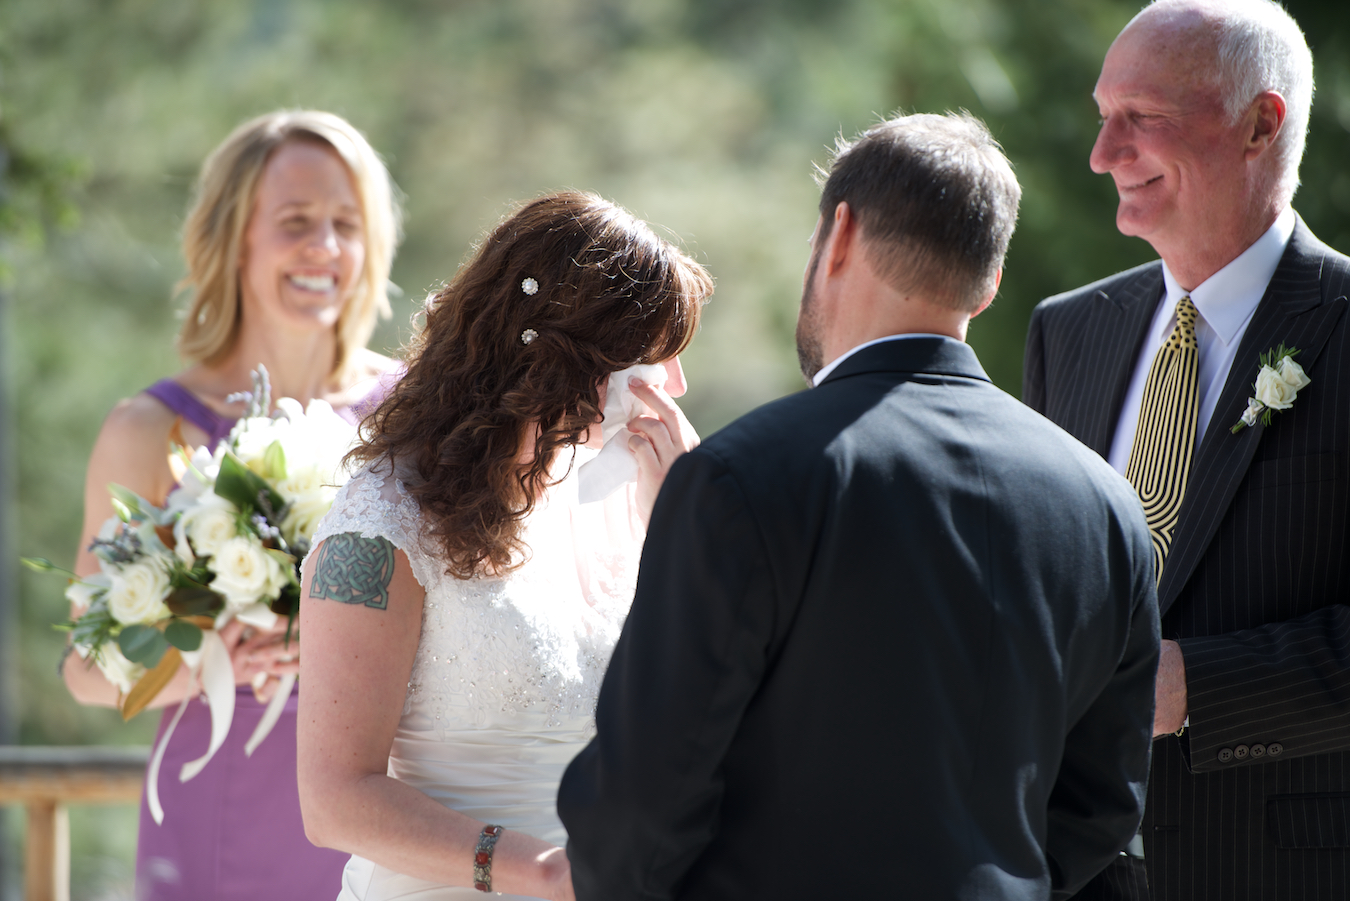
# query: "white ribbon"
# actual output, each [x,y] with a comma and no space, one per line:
[615,465]
[217,675]
[152,775]
[271,714]
[211,665]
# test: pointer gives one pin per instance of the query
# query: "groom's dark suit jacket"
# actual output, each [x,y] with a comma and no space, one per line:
[894,637]
[1254,801]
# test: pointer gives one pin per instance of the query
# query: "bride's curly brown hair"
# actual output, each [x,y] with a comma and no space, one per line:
[600,291]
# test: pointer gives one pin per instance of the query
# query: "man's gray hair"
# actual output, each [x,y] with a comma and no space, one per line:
[1260,48]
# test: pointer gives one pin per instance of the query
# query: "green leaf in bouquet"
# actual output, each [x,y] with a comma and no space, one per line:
[274,461]
[122,510]
[95,625]
[142,644]
[183,635]
[244,488]
[193,600]
[288,563]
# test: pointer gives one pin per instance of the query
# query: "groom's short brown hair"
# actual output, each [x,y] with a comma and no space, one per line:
[937,201]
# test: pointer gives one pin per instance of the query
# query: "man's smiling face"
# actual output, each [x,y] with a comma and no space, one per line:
[1177,160]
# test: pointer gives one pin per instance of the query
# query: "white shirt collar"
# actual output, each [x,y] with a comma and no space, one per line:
[1227,299]
[834,364]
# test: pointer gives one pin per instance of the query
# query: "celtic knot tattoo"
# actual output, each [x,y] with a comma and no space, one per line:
[354,570]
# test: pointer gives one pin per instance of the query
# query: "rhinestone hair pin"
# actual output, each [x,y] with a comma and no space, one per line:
[528,335]
[531,287]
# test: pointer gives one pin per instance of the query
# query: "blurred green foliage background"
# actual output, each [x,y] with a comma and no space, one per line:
[702,116]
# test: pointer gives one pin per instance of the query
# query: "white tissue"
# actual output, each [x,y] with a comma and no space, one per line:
[615,465]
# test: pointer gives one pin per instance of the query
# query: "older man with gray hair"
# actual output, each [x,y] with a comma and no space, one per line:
[1218,382]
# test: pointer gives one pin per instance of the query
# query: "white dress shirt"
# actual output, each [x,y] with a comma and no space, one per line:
[1226,301]
[834,364]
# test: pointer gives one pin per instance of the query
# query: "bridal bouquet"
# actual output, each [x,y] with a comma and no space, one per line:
[227,545]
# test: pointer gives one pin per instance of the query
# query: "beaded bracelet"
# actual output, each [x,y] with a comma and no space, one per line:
[482,857]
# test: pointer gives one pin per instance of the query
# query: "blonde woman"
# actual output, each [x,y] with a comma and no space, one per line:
[288,245]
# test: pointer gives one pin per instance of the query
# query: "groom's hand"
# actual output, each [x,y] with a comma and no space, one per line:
[1170,691]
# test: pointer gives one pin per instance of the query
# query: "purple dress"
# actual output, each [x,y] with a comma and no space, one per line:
[234,831]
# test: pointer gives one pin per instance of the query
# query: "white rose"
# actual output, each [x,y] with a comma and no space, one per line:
[208,525]
[117,668]
[1293,375]
[309,499]
[1254,409]
[245,573]
[137,593]
[318,437]
[1273,391]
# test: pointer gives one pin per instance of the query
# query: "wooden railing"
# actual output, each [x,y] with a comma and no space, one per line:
[45,780]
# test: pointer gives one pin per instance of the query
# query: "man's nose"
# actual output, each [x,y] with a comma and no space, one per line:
[1111,148]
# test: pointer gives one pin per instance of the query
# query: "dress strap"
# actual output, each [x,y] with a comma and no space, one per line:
[185,404]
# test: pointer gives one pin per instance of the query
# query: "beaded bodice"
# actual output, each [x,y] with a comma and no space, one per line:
[500,652]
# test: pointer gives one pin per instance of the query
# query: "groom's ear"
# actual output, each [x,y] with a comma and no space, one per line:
[984,304]
[842,242]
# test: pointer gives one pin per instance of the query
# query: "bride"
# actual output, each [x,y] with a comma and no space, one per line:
[463,602]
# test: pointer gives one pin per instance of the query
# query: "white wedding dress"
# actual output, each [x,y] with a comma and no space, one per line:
[503,689]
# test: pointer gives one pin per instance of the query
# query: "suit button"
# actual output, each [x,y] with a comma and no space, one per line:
[1274,749]
[1240,752]
[1225,755]
[1258,751]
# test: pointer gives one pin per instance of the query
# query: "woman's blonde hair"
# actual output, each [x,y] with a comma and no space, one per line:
[213,234]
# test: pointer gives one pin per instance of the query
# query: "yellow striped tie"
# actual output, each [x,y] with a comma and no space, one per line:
[1164,440]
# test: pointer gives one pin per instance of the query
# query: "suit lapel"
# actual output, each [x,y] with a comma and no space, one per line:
[1293,312]
[1121,330]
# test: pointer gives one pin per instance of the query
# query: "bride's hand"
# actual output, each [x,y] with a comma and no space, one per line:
[657,441]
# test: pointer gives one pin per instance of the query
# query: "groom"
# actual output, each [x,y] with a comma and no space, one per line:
[894,636]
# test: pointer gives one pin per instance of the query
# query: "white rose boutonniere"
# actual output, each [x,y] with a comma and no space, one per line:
[1277,385]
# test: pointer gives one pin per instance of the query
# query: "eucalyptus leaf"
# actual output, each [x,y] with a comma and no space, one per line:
[183,635]
[142,644]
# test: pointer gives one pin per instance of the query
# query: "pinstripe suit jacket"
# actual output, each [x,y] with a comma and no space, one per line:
[1254,801]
